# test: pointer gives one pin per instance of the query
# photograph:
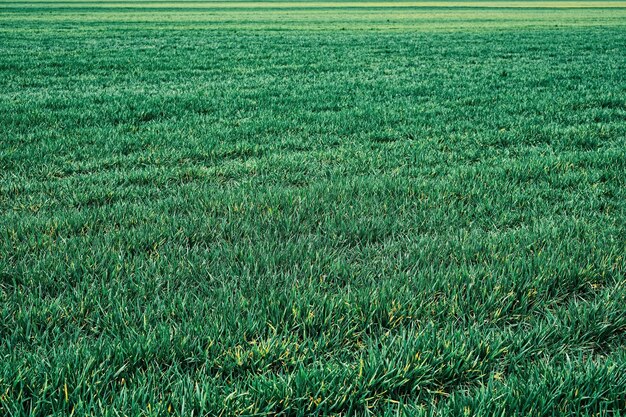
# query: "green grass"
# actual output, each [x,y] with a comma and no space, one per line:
[312,210]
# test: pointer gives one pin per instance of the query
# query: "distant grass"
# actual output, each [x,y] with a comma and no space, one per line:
[303,15]
[255,212]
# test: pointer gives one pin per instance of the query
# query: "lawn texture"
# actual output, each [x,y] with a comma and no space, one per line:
[313,208]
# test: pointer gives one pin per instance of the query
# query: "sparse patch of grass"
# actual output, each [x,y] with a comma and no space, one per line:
[250,211]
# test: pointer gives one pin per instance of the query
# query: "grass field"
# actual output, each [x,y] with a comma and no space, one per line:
[313,208]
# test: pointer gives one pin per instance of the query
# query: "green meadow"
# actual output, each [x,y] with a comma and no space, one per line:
[313,208]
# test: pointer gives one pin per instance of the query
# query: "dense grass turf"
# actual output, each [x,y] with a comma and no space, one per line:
[248,210]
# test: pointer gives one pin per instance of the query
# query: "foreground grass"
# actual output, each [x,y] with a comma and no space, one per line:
[200,220]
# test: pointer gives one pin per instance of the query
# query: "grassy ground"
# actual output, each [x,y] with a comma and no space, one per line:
[343,209]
